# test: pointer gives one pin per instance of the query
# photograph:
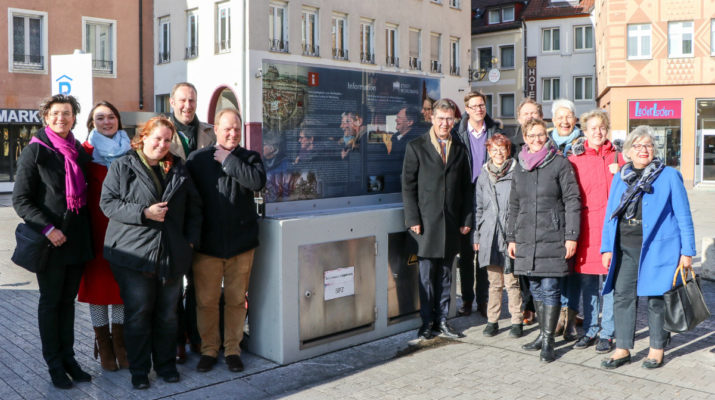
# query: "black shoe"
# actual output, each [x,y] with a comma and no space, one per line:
[140,382]
[76,372]
[206,363]
[534,345]
[60,379]
[171,377]
[584,342]
[604,346]
[234,363]
[425,331]
[516,331]
[491,329]
[650,363]
[465,310]
[446,331]
[482,308]
[613,363]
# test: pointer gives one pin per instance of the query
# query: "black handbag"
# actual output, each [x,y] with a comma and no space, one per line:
[685,305]
[32,249]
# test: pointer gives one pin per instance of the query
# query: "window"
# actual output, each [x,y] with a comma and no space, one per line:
[28,40]
[552,89]
[485,58]
[162,104]
[454,56]
[192,34]
[506,105]
[583,38]
[340,37]
[391,46]
[223,28]
[507,57]
[454,3]
[712,37]
[164,40]
[309,31]
[583,88]
[435,50]
[494,16]
[367,41]
[415,49]
[507,14]
[550,39]
[680,39]
[489,103]
[98,39]
[638,41]
[277,28]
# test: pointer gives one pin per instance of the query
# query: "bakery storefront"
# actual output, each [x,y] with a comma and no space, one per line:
[664,117]
[16,128]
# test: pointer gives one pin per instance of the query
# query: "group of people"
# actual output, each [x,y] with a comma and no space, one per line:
[559,217]
[128,221]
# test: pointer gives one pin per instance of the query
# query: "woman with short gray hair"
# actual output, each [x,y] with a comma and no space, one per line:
[648,231]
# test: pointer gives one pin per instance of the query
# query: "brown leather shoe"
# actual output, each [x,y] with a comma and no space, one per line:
[465,310]
[181,354]
[234,363]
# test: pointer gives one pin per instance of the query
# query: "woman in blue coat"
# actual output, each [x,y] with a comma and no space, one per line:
[648,230]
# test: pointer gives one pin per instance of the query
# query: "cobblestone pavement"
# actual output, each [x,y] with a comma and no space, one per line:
[474,367]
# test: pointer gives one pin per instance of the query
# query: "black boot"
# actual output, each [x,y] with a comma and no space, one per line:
[550,318]
[536,344]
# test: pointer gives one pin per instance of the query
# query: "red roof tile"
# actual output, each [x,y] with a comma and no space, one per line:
[544,9]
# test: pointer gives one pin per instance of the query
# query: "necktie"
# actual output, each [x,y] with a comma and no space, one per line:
[443,146]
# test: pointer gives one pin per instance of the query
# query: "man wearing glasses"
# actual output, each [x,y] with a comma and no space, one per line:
[473,133]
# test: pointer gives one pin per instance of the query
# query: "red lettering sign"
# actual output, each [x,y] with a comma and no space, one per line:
[654,109]
[313,79]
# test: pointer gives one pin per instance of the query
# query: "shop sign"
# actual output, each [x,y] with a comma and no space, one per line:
[18,116]
[72,75]
[531,77]
[655,109]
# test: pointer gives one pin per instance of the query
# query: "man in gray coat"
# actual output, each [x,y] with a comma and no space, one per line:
[437,197]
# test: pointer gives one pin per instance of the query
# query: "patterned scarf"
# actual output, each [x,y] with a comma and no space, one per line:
[530,161]
[75,184]
[496,173]
[636,187]
[108,149]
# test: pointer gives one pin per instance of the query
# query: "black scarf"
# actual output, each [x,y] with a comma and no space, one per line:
[191,131]
[637,185]
[496,173]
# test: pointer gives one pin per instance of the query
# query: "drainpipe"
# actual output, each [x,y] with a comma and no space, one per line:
[141,57]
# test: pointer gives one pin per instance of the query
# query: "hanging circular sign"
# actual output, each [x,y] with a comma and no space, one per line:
[494,75]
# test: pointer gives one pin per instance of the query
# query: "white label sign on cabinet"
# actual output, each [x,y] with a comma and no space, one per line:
[339,282]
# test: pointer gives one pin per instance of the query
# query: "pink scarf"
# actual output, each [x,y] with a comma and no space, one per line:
[75,184]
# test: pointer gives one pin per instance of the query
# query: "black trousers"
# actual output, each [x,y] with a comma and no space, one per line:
[469,271]
[435,288]
[625,302]
[188,324]
[55,312]
[149,321]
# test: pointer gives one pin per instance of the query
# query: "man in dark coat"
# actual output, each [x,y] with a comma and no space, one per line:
[528,109]
[473,132]
[437,197]
[226,176]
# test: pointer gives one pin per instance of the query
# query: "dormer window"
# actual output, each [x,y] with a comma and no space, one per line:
[499,15]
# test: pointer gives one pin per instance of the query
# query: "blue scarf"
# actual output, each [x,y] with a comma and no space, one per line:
[108,149]
[637,185]
[565,141]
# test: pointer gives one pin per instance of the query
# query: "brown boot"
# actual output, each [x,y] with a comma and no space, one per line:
[562,321]
[103,348]
[570,332]
[120,351]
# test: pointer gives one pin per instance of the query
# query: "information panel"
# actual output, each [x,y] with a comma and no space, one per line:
[331,132]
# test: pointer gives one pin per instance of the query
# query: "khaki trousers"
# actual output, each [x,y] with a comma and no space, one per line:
[209,272]
[497,281]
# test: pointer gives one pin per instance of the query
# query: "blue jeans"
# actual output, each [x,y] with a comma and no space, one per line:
[590,286]
[546,290]
[570,290]
[150,321]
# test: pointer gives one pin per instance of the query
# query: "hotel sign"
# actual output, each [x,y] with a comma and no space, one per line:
[531,77]
[654,109]
[18,116]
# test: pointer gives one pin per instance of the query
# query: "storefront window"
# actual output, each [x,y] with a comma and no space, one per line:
[664,117]
[16,129]
[705,141]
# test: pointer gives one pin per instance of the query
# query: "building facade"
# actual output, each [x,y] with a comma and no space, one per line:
[656,67]
[38,29]
[498,57]
[560,52]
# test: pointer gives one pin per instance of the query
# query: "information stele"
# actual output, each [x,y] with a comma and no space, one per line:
[72,74]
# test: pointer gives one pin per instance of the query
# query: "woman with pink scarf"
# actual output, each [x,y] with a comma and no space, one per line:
[50,195]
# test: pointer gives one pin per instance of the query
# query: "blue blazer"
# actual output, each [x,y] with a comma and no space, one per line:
[667,232]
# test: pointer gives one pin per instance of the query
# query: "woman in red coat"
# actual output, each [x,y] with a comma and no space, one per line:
[595,160]
[106,142]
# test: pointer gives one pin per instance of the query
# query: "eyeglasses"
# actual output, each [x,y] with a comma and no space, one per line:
[639,147]
[478,107]
[443,119]
[498,150]
[56,114]
[539,136]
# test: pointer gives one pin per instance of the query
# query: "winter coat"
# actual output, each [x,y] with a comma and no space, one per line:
[98,285]
[230,221]
[461,135]
[492,205]
[39,199]
[544,212]
[667,232]
[436,196]
[594,182]
[205,137]
[137,243]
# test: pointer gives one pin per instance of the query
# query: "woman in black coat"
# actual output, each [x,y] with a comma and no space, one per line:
[155,218]
[543,227]
[50,195]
